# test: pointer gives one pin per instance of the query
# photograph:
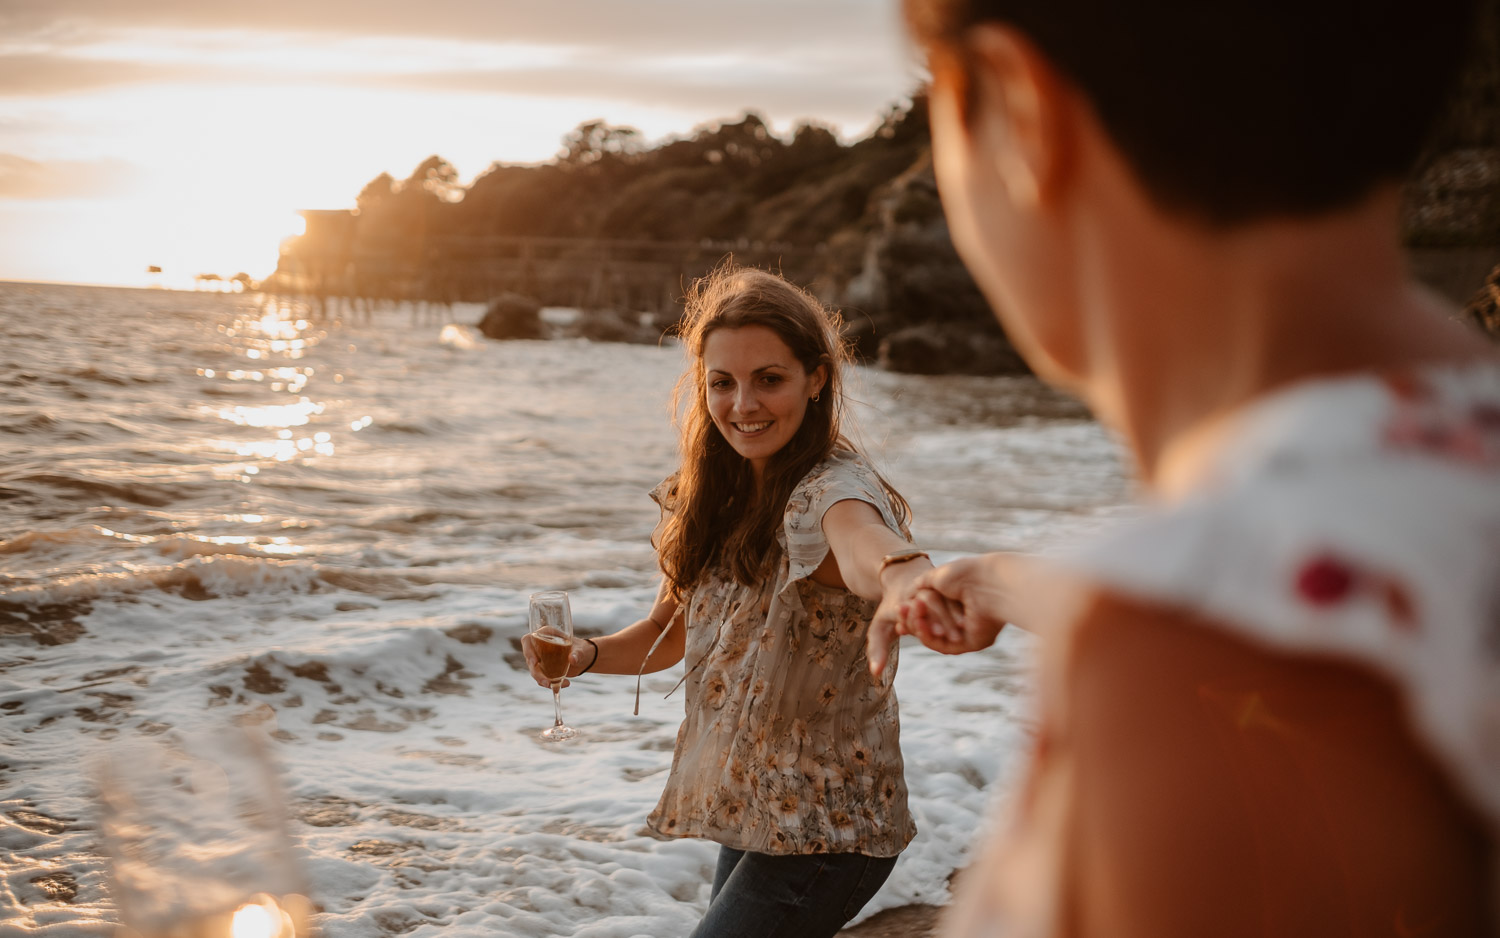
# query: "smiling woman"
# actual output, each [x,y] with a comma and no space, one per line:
[776,544]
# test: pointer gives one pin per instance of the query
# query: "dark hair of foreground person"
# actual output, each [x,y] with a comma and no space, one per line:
[1242,108]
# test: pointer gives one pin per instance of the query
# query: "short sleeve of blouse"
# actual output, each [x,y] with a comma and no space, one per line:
[842,476]
[665,495]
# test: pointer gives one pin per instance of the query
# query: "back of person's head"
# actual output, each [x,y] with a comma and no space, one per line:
[1233,110]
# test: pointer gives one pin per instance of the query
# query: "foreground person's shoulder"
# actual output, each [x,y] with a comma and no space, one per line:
[1227,787]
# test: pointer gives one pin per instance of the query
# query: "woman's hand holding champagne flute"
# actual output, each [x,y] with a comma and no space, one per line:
[550,653]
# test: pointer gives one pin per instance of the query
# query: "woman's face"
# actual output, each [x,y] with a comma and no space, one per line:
[757,391]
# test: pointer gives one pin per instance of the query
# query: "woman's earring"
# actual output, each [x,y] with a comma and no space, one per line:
[816,396]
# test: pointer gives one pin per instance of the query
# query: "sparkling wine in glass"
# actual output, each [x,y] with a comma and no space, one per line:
[552,632]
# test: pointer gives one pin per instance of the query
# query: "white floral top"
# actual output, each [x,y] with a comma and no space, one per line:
[1358,517]
[789,746]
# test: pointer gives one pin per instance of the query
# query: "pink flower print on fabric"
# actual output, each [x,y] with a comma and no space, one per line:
[1327,580]
[1422,422]
[1324,581]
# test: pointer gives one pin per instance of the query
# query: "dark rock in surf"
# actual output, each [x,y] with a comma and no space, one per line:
[604,325]
[260,680]
[513,316]
[948,349]
[45,624]
[59,886]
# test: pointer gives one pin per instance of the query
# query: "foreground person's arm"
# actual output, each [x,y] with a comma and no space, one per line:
[958,607]
[962,605]
[623,651]
[1221,788]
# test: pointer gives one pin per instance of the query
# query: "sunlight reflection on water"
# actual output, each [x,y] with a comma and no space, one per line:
[281,331]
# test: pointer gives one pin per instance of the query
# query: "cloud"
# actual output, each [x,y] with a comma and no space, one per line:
[851,97]
[808,77]
[836,60]
[771,27]
[21,178]
[38,74]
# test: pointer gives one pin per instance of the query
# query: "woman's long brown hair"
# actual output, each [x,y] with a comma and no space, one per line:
[720,521]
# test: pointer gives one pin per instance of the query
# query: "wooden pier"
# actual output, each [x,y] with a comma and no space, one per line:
[332,261]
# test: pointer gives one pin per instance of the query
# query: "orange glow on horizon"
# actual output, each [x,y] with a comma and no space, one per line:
[192,149]
[225,171]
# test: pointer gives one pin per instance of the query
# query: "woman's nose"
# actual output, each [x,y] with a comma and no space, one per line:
[745,401]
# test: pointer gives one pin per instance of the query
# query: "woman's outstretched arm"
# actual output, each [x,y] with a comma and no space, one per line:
[623,652]
[859,540]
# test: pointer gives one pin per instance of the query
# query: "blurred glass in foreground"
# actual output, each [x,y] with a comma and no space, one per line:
[195,833]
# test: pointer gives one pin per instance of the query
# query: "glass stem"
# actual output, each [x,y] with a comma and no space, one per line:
[557,702]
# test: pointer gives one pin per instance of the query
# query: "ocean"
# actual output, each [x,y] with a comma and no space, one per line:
[221,509]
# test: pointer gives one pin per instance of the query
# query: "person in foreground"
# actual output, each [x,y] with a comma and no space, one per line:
[777,540]
[1271,705]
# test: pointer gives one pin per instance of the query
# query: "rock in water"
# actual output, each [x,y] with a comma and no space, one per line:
[948,349]
[513,316]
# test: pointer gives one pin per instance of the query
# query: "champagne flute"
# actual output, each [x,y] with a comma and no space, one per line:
[552,633]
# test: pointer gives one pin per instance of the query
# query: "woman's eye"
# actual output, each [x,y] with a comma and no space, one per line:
[771,379]
[719,385]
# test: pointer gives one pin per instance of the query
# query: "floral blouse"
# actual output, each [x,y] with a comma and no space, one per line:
[789,745]
[1357,517]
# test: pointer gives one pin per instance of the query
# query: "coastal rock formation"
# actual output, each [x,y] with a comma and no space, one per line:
[921,310]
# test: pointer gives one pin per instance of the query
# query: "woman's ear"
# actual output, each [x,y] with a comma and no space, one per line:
[1020,114]
[818,379]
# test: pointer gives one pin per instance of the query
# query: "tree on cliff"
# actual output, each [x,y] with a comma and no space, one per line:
[399,219]
[436,177]
[596,140]
[375,193]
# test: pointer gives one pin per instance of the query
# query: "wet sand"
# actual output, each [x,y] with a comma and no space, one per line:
[907,921]
[918,920]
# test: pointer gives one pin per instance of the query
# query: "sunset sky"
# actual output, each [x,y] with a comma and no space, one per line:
[185,133]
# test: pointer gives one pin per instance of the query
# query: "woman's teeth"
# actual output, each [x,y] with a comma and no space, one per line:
[752,427]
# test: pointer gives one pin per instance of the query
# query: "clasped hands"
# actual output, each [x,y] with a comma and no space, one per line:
[958,607]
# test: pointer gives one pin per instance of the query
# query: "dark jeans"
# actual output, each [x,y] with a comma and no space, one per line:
[811,896]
